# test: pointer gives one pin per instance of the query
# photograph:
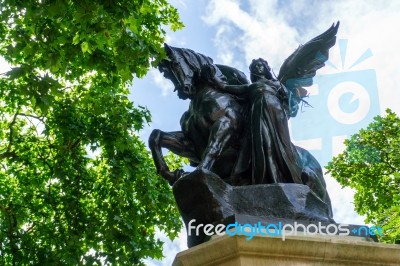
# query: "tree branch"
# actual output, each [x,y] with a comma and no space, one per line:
[8,152]
[10,137]
[33,116]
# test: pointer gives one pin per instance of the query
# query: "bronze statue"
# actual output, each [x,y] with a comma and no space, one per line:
[212,126]
[237,130]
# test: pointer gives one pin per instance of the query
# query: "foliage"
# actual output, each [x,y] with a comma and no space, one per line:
[371,165]
[77,186]
[174,161]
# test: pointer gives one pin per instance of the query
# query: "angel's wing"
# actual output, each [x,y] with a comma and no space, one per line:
[300,67]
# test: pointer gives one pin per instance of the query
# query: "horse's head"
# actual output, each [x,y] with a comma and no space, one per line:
[178,71]
[182,67]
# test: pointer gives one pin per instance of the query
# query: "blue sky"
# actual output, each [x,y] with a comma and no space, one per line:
[359,81]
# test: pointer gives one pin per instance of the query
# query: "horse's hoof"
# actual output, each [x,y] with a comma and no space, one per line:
[172,177]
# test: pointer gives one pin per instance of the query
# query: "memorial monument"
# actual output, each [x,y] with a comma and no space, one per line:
[236,135]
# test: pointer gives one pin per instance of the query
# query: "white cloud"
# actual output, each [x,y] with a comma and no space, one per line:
[260,33]
[164,84]
[342,203]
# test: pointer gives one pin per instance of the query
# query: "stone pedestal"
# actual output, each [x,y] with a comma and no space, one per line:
[202,196]
[295,250]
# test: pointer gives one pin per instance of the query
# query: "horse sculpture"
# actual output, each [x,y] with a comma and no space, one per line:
[212,126]
[215,124]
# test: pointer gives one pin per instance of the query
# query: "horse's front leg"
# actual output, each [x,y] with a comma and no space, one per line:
[221,133]
[175,142]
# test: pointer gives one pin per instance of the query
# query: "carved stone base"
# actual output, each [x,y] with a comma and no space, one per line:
[203,196]
[295,250]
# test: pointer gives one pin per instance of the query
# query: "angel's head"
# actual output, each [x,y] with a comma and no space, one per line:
[259,68]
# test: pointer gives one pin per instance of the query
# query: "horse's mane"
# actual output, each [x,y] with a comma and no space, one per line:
[191,64]
[194,60]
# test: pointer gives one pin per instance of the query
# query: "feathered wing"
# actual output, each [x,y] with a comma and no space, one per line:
[300,67]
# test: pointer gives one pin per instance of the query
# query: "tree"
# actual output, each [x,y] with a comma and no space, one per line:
[370,164]
[66,95]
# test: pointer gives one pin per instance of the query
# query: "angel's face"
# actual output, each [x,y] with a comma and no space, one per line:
[259,68]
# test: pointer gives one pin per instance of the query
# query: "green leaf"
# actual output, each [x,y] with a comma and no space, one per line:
[76,39]
[85,47]
[65,96]
[370,164]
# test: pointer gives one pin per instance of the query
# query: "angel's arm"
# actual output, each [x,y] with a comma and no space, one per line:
[238,90]
[208,75]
